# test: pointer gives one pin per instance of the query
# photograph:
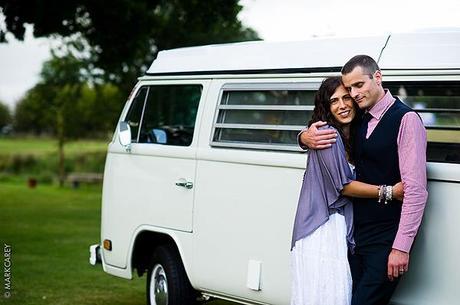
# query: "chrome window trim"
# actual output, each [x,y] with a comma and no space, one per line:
[268,107]
[248,145]
[278,86]
[142,114]
[259,126]
[435,110]
[442,127]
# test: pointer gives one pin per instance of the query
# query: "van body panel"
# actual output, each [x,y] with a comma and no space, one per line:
[239,214]
[183,241]
[150,197]
[401,47]
[257,55]
[252,207]
[443,172]
[143,181]
[433,275]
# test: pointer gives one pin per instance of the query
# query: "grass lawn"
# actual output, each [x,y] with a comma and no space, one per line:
[49,230]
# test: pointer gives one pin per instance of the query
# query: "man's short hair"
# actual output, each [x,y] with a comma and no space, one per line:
[367,63]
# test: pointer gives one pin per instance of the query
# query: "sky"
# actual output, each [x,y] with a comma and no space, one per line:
[274,20]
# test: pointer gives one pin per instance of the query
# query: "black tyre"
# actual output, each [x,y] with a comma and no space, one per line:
[167,282]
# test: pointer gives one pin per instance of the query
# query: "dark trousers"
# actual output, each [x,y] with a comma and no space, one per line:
[369,272]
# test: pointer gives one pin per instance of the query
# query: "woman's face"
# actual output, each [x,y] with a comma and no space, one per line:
[341,106]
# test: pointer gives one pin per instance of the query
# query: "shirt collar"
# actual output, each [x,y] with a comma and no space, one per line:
[379,109]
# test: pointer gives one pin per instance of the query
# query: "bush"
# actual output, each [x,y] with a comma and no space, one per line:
[44,166]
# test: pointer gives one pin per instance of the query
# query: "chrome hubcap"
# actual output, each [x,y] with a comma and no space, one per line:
[158,286]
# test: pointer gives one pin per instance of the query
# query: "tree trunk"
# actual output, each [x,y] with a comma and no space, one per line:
[60,135]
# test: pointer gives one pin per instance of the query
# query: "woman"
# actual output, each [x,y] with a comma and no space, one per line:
[323,223]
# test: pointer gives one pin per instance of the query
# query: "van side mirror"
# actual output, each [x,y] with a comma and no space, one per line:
[124,135]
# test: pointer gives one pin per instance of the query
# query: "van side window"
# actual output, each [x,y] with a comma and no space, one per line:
[169,115]
[134,115]
[438,104]
[262,119]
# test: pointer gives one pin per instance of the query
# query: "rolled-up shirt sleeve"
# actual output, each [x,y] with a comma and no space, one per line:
[412,142]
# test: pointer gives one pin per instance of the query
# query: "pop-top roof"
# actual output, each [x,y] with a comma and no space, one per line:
[422,50]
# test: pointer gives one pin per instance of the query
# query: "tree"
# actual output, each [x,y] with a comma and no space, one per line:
[125,35]
[67,104]
[118,40]
[91,112]
[5,115]
[61,79]
[32,112]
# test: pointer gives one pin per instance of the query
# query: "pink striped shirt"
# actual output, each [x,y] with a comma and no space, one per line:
[412,143]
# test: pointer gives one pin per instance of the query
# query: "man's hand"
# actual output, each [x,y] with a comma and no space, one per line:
[318,139]
[398,264]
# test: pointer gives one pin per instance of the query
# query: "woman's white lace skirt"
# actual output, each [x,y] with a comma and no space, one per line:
[320,270]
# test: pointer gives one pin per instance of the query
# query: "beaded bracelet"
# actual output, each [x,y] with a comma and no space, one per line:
[385,193]
[388,194]
[382,192]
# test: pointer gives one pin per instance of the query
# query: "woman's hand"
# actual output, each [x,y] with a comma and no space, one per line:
[398,191]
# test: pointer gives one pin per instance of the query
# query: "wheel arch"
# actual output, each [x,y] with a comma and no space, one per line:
[145,243]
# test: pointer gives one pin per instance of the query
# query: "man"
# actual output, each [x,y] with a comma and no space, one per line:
[389,146]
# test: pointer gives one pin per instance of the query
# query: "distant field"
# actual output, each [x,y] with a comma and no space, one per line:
[50,230]
[38,158]
[41,146]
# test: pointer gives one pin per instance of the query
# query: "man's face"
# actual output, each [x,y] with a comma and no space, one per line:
[363,89]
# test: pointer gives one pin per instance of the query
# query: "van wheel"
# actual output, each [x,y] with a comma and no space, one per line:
[167,282]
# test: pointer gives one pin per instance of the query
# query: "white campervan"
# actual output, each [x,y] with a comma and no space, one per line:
[203,174]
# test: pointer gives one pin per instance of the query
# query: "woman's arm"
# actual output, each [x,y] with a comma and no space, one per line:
[337,174]
[364,190]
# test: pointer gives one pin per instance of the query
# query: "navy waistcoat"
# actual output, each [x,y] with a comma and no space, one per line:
[377,163]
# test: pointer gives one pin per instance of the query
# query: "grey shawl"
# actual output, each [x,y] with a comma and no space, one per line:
[326,173]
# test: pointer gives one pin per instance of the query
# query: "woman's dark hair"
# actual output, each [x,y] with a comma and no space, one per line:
[322,111]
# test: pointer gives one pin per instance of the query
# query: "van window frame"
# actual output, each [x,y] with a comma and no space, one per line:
[133,96]
[429,80]
[303,85]
[390,76]
[173,82]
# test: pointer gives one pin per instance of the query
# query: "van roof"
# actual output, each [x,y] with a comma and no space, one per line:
[417,50]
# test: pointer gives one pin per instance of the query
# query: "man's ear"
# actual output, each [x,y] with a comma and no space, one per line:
[378,77]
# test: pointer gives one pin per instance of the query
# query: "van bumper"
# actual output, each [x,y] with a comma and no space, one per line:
[95,254]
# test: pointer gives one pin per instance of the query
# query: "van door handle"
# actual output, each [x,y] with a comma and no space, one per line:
[184,183]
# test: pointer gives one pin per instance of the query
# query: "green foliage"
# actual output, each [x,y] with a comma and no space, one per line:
[106,43]
[38,158]
[99,107]
[5,115]
[44,168]
[32,112]
[125,35]
[61,71]
[64,101]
